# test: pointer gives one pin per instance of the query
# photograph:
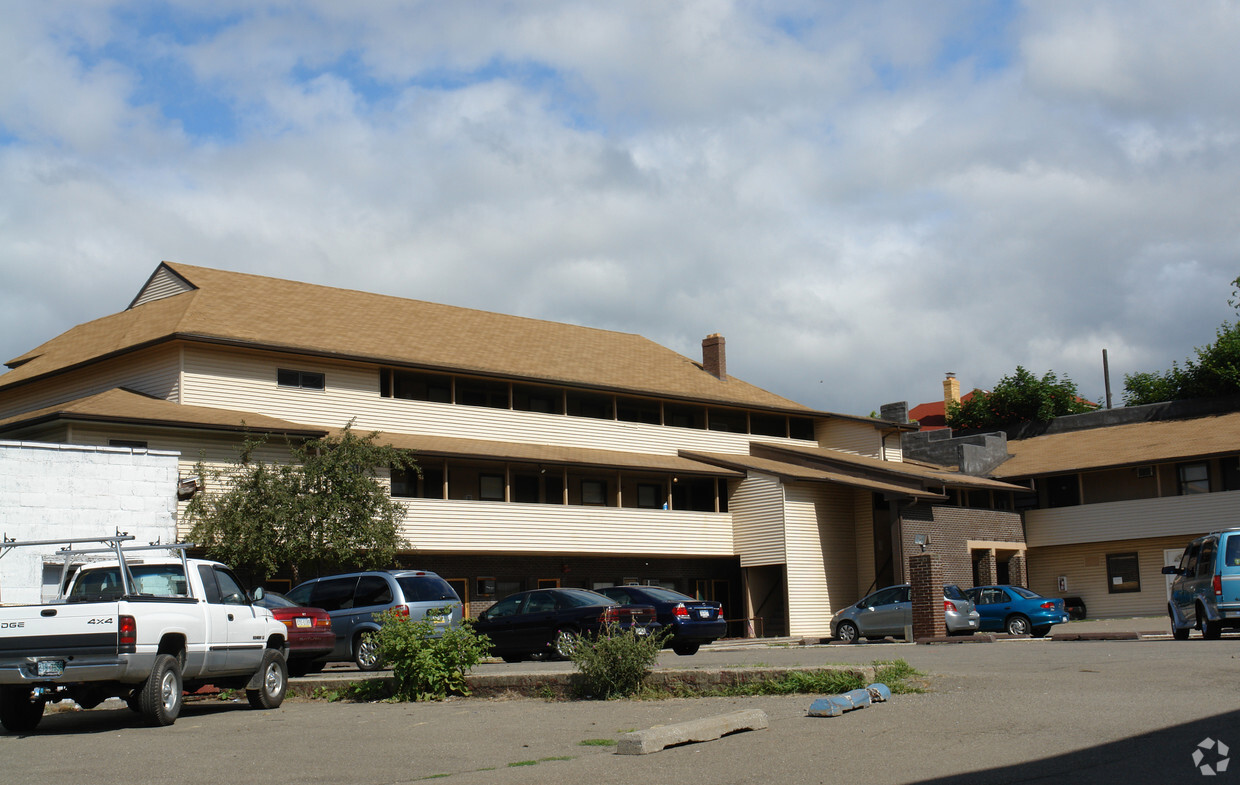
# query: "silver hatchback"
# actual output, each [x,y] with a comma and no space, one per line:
[889,611]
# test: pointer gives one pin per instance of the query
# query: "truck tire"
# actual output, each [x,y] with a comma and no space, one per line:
[272,678]
[159,699]
[19,713]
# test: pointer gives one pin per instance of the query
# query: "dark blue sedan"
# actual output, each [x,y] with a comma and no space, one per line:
[693,622]
[1016,610]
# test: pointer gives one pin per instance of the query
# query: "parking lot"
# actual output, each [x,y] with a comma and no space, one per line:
[1010,711]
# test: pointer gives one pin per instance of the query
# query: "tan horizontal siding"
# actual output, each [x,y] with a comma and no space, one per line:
[496,527]
[1084,566]
[247,381]
[164,283]
[757,508]
[1133,519]
[821,548]
[848,436]
[153,372]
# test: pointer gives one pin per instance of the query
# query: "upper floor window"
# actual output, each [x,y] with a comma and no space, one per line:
[1063,490]
[1193,478]
[306,380]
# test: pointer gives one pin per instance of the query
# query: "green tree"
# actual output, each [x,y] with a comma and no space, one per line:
[1021,397]
[1213,372]
[325,505]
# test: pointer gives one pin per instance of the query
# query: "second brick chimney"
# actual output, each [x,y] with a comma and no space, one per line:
[951,390]
[713,360]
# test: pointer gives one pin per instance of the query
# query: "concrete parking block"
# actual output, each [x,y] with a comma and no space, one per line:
[644,742]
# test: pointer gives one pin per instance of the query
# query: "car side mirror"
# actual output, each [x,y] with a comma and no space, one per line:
[257,594]
[1171,570]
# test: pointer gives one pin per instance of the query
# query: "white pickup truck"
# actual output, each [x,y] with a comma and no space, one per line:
[139,626]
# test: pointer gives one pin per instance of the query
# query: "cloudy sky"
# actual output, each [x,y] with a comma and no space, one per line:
[858,196]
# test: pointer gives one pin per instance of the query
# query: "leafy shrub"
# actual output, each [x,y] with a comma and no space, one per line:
[614,664]
[426,667]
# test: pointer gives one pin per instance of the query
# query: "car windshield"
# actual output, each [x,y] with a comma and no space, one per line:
[580,598]
[952,592]
[659,594]
[426,588]
[157,580]
[1022,591]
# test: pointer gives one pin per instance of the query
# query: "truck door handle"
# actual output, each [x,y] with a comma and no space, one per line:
[230,617]
[48,612]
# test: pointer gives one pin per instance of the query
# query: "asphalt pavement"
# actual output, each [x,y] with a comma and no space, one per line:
[1098,711]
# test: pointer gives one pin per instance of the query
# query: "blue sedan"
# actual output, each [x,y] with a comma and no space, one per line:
[1016,610]
[692,622]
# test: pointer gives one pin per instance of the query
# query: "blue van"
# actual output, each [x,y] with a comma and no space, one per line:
[1205,594]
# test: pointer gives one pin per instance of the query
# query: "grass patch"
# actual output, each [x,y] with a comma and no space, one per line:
[597,743]
[900,677]
[368,691]
[515,764]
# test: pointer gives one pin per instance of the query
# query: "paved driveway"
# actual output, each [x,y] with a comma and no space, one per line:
[1018,711]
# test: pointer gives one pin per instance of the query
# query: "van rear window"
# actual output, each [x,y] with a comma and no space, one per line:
[426,588]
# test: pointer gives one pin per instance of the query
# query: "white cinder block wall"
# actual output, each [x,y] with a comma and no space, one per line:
[52,491]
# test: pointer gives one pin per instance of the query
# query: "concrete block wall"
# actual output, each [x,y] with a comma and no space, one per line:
[51,491]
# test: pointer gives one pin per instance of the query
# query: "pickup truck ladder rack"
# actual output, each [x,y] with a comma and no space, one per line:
[114,545]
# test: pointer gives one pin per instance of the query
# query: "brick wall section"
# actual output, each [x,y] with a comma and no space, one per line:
[926,577]
[949,530]
[63,490]
[1017,572]
[988,569]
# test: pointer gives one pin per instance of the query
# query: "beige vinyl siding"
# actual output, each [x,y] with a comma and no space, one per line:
[496,527]
[863,533]
[154,372]
[821,554]
[1085,567]
[757,508]
[164,283]
[1131,520]
[247,381]
[848,436]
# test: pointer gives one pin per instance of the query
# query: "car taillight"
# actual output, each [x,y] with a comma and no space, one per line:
[1048,605]
[325,622]
[720,612]
[401,610]
[1218,584]
[680,611]
[948,605]
[289,623]
[610,615]
[127,635]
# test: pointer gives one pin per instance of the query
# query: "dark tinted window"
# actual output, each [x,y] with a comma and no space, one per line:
[617,594]
[301,595]
[333,594]
[231,590]
[1026,593]
[426,588]
[580,598]
[208,583]
[505,607]
[952,592]
[372,590]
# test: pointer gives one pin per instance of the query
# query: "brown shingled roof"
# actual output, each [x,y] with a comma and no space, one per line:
[859,463]
[256,311]
[1134,444]
[125,406]
[794,471]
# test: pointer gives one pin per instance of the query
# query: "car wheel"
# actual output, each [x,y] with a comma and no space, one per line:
[1018,625]
[160,696]
[686,649]
[512,657]
[847,632]
[366,652]
[1179,633]
[19,712]
[565,644]
[1040,632]
[273,682]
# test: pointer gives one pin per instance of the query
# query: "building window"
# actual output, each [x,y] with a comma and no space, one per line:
[598,407]
[594,492]
[1123,573]
[639,410]
[682,416]
[1231,473]
[525,488]
[422,386]
[1194,478]
[801,428]
[1063,491]
[404,483]
[306,380]
[479,392]
[768,425]
[729,420]
[650,496]
[491,487]
[547,400]
[130,443]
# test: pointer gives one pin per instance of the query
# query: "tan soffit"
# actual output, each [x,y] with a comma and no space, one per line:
[793,471]
[1134,444]
[260,312]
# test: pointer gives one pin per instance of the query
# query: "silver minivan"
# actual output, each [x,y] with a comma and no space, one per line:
[353,599]
[1205,593]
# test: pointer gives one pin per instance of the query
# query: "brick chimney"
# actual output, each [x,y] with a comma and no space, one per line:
[951,390]
[713,361]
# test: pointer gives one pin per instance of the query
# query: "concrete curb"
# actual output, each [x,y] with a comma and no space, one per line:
[562,685]
[644,742]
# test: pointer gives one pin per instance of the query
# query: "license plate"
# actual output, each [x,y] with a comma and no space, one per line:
[640,630]
[50,667]
[302,621]
[439,619]
[703,614]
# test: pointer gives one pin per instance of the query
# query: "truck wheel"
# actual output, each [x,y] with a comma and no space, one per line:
[19,712]
[159,699]
[273,680]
